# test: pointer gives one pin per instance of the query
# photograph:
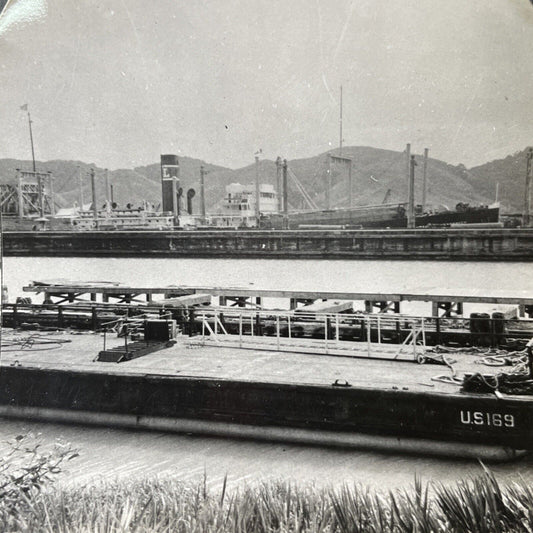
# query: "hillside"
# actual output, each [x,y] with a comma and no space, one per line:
[375,171]
[129,185]
[510,173]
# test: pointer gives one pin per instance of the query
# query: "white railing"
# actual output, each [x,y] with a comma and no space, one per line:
[327,334]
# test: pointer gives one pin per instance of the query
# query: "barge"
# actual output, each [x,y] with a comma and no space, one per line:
[149,376]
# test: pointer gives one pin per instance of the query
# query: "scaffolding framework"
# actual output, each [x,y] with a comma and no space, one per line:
[30,197]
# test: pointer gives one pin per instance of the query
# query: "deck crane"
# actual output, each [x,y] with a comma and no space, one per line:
[310,202]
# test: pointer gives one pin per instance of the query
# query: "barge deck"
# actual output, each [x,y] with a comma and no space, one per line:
[194,386]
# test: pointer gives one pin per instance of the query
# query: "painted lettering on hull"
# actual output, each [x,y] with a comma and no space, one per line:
[483,418]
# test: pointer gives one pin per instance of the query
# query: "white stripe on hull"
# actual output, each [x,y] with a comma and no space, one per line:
[268,433]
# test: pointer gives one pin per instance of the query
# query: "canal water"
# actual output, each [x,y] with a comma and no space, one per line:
[325,275]
[111,453]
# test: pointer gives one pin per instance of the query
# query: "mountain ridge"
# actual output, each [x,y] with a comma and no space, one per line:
[377,174]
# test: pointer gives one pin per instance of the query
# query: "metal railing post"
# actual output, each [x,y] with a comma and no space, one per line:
[415,334]
[326,333]
[368,334]
[277,331]
[240,330]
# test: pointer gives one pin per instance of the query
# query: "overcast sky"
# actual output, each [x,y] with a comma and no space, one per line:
[116,84]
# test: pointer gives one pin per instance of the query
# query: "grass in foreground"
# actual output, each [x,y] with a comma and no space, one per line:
[477,505]
[29,502]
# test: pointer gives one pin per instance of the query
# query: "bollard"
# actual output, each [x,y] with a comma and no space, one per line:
[498,327]
[480,328]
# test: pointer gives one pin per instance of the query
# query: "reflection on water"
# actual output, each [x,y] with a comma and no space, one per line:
[106,453]
[111,453]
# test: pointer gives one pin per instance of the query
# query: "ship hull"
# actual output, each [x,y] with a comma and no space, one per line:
[387,216]
[422,422]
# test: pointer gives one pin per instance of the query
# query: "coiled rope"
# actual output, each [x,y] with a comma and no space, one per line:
[35,342]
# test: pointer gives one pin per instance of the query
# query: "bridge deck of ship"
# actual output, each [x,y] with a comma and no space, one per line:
[188,357]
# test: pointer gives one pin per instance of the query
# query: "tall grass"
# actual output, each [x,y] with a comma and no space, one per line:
[479,504]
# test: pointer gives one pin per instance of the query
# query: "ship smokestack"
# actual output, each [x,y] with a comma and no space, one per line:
[170,173]
[190,196]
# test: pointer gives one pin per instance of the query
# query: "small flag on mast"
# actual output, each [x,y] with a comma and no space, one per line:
[24,107]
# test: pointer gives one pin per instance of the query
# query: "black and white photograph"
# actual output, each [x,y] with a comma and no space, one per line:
[266,266]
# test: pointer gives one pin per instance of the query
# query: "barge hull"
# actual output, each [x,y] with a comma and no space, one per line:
[359,416]
[309,437]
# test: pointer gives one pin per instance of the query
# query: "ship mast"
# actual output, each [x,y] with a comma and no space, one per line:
[340,125]
[25,108]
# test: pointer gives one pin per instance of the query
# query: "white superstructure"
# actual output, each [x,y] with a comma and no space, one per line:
[239,208]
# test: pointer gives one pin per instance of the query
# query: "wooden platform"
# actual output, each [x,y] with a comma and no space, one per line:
[430,294]
[443,302]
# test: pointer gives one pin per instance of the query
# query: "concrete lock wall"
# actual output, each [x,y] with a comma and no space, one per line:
[469,244]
